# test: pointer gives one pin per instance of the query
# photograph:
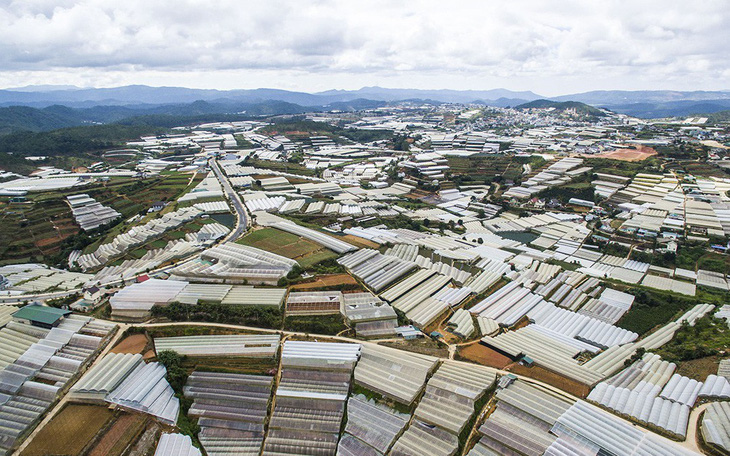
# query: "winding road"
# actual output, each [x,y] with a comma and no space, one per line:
[242,221]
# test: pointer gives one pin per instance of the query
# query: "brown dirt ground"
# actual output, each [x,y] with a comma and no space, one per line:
[120,435]
[327,281]
[631,155]
[45,242]
[551,378]
[360,242]
[69,431]
[480,354]
[147,441]
[699,369]
[135,343]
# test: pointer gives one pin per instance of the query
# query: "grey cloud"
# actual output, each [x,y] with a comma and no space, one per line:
[428,38]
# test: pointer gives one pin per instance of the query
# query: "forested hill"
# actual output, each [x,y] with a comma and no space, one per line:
[577,106]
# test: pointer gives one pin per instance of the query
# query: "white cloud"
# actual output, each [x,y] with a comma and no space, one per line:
[549,47]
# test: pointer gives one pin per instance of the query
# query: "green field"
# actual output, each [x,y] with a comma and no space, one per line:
[708,337]
[284,166]
[306,252]
[480,169]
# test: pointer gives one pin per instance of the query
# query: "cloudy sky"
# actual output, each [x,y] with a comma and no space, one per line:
[550,47]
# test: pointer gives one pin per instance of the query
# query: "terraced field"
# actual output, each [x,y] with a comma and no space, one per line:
[35,229]
[480,168]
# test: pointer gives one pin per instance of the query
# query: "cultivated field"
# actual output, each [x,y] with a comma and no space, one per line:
[69,432]
[120,435]
[632,155]
[36,228]
[325,281]
[304,251]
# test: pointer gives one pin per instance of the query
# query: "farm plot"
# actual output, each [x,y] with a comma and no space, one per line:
[69,432]
[304,251]
[120,435]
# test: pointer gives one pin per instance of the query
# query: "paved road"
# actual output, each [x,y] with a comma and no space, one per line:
[235,199]
[691,442]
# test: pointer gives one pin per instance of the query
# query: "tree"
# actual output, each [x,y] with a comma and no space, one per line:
[176,375]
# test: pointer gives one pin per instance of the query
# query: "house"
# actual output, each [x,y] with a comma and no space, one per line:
[92,294]
[41,316]
[157,207]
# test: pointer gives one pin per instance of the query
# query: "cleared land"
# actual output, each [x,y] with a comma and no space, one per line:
[551,378]
[479,354]
[325,281]
[120,435]
[135,343]
[633,155]
[360,242]
[69,432]
[424,346]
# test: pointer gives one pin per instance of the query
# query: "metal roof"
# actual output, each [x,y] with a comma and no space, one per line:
[41,314]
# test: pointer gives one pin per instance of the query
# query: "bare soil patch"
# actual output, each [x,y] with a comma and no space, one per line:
[632,155]
[551,378]
[135,343]
[480,354]
[70,431]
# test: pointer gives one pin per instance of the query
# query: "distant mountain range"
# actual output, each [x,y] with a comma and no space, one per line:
[43,96]
[62,106]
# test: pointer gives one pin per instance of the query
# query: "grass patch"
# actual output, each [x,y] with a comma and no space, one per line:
[279,242]
[708,337]
[312,260]
[306,252]
[653,308]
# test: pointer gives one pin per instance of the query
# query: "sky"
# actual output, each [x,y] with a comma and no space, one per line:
[549,47]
